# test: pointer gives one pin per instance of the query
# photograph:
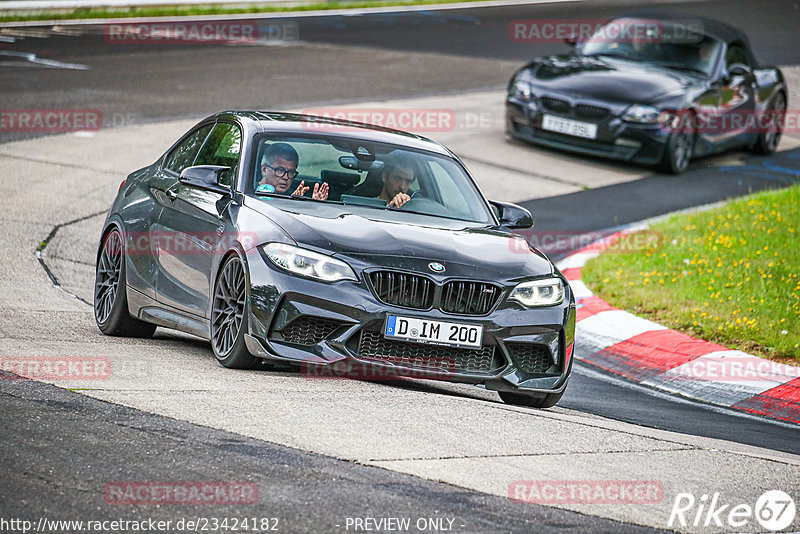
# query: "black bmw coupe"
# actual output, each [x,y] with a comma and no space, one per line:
[326,243]
[651,88]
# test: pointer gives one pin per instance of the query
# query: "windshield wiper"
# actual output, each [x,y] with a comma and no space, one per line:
[612,54]
[679,66]
[449,217]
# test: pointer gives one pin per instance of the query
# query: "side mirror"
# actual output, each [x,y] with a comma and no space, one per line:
[206,177]
[737,69]
[512,216]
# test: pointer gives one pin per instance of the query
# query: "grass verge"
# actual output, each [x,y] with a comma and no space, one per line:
[730,275]
[183,11]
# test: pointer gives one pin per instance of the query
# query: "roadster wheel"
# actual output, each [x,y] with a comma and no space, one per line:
[678,152]
[767,141]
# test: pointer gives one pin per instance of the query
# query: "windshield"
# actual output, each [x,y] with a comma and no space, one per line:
[678,46]
[364,173]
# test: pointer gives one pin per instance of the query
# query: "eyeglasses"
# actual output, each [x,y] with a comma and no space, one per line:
[280,172]
[401,179]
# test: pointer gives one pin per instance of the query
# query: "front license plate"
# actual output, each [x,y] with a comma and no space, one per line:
[569,127]
[435,332]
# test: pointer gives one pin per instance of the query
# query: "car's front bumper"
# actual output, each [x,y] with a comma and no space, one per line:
[616,139]
[341,325]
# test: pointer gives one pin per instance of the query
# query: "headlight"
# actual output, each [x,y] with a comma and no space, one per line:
[547,292]
[307,263]
[645,115]
[522,90]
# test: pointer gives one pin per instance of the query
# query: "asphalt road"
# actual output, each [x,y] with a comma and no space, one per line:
[80,444]
[343,59]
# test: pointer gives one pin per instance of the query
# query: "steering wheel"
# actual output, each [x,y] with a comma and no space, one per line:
[426,206]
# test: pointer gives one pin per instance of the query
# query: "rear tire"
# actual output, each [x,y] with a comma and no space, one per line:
[767,142]
[517,399]
[228,317]
[110,292]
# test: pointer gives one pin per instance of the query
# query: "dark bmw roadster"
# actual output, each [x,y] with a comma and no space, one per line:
[321,242]
[651,88]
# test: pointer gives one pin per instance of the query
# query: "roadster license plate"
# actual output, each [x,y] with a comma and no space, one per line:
[569,127]
[434,332]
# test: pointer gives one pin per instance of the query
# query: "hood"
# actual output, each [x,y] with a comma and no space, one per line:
[394,239]
[608,79]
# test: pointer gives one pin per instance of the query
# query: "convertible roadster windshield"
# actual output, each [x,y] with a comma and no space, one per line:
[365,173]
[677,46]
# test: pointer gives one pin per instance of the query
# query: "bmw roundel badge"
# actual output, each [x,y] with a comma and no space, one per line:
[436,267]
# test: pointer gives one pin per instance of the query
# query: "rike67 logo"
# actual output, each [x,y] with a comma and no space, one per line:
[774,510]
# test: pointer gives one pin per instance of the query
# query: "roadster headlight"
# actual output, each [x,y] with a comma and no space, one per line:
[645,115]
[522,90]
[547,292]
[308,263]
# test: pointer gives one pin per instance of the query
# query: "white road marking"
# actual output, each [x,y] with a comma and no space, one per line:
[35,61]
[611,327]
[577,260]
[579,289]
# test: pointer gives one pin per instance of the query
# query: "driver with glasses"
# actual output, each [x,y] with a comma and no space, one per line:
[279,167]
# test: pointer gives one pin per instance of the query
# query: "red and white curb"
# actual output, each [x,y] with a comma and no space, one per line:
[650,354]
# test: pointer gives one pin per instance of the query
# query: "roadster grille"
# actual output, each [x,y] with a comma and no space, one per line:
[470,298]
[307,330]
[595,113]
[556,105]
[530,357]
[403,289]
[374,347]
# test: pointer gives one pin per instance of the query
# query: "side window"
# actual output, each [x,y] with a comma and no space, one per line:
[736,54]
[222,148]
[183,155]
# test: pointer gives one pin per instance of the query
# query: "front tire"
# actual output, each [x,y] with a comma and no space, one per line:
[517,399]
[228,317]
[110,297]
[767,142]
[679,150]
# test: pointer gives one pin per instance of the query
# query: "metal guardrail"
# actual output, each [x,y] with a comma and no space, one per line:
[55,5]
